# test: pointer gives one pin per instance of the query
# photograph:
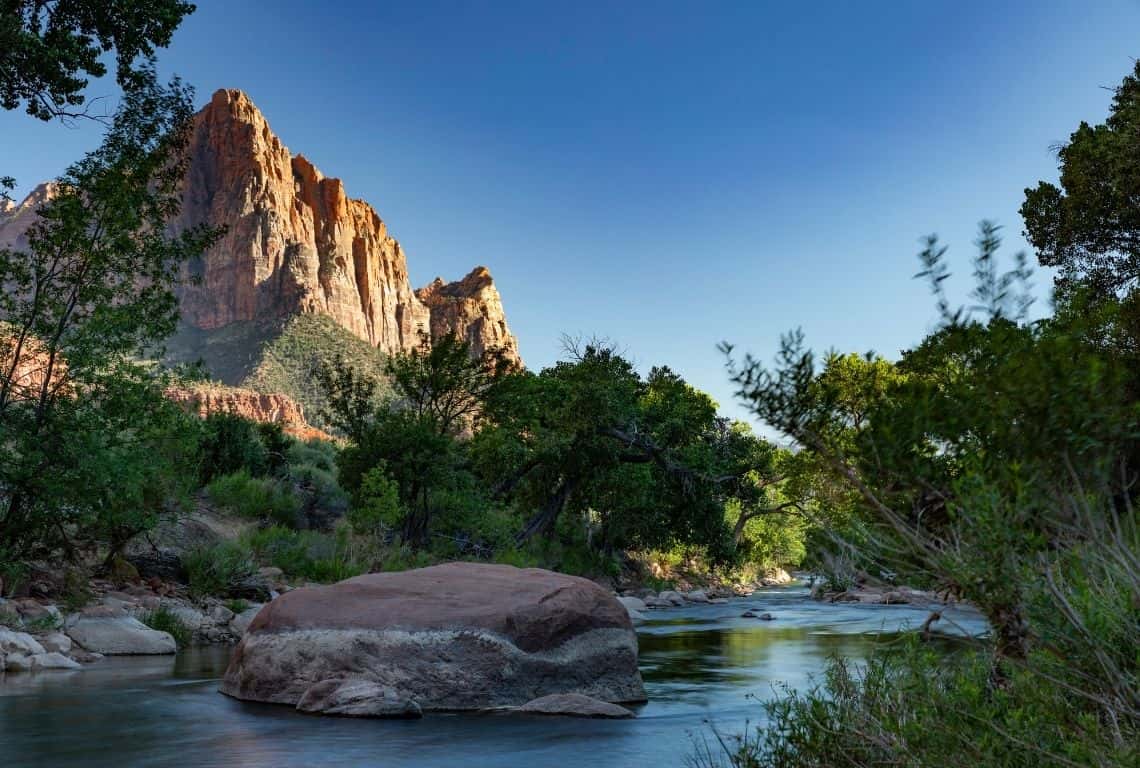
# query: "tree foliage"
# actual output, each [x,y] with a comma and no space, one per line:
[1089,226]
[50,48]
[79,419]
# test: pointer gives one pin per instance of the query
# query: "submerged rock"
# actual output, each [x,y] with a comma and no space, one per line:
[459,636]
[574,705]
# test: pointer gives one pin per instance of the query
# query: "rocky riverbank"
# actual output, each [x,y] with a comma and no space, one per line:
[152,616]
[121,620]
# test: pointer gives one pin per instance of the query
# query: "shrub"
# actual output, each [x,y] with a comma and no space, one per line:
[230,444]
[321,484]
[310,555]
[165,620]
[255,497]
[237,606]
[377,506]
[317,453]
[215,570]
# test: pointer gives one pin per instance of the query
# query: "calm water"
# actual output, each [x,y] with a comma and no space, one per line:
[703,667]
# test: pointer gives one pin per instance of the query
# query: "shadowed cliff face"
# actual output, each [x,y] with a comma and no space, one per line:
[295,243]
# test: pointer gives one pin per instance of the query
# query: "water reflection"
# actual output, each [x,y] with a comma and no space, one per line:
[701,664]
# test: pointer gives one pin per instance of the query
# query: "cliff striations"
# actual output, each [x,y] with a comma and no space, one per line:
[296,244]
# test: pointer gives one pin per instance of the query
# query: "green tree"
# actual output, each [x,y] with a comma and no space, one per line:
[439,393]
[91,291]
[995,461]
[1089,226]
[49,48]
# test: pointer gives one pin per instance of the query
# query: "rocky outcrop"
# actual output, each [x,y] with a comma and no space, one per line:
[472,310]
[459,636]
[296,243]
[17,218]
[257,406]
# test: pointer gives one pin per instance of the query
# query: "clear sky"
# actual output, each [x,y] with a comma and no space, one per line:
[668,175]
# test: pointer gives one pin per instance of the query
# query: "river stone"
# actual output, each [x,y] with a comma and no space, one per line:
[671,597]
[697,596]
[56,642]
[239,623]
[53,660]
[634,605]
[458,636]
[574,705]
[120,636]
[19,643]
[357,698]
[17,662]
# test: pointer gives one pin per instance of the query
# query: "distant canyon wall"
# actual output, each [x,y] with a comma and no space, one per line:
[296,243]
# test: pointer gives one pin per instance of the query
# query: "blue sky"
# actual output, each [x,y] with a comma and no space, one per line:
[668,175]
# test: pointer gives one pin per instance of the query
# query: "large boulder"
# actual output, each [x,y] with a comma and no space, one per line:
[119,635]
[459,636]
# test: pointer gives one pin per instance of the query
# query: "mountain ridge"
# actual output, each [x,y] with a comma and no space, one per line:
[296,244]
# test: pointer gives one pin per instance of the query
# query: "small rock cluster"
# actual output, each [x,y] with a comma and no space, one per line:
[876,595]
[638,601]
[37,635]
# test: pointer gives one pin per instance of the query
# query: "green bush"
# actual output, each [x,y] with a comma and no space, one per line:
[165,620]
[377,506]
[310,555]
[258,498]
[237,606]
[321,484]
[231,444]
[316,453]
[215,570]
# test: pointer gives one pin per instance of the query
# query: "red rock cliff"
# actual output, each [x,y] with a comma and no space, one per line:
[296,243]
[471,309]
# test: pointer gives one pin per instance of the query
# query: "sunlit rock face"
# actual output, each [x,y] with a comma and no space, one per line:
[208,399]
[17,218]
[296,243]
[471,309]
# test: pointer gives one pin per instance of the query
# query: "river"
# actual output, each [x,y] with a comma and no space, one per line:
[704,667]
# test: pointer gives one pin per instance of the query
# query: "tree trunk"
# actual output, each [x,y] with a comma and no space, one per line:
[543,522]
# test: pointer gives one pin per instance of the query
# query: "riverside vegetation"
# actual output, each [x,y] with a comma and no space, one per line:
[994,462]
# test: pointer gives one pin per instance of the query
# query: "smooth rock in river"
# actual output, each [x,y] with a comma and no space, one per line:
[458,636]
[357,698]
[56,642]
[17,662]
[634,605]
[19,643]
[697,596]
[239,623]
[574,705]
[53,660]
[671,597]
[120,636]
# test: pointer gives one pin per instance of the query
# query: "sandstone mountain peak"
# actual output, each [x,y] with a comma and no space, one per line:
[296,243]
[16,218]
